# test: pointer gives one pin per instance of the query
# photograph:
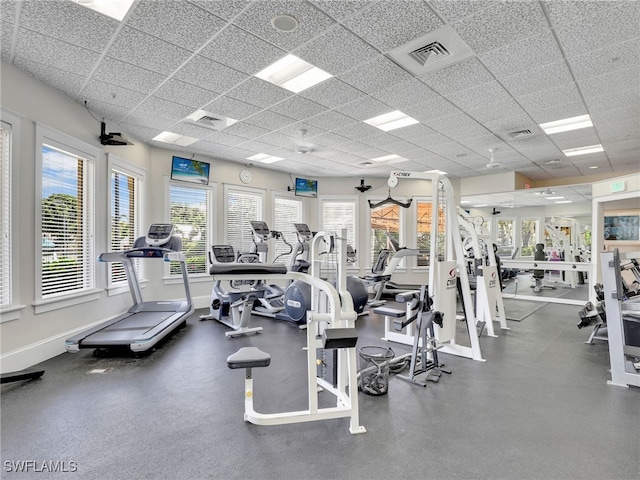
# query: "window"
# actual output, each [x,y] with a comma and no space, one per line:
[286,212]
[6,297]
[126,222]
[385,227]
[190,211]
[339,214]
[528,236]
[243,205]
[504,237]
[66,215]
[424,220]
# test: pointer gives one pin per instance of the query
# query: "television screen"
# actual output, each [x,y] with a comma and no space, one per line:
[187,170]
[306,187]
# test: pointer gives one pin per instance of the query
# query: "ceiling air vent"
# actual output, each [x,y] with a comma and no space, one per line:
[431,52]
[210,120]
[520,134]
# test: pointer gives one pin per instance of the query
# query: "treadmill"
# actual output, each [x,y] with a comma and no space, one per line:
[145,323]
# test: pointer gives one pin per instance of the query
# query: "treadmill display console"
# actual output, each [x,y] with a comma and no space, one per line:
[159,234]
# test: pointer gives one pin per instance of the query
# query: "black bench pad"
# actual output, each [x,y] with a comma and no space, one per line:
[247,268]
[249,357]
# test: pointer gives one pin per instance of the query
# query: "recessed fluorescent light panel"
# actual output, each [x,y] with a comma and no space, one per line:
[439,172]
[390,159]
[573,123]
[478,206]
[175,139]
[293,73]
[264,158]
[564,201]
[391,121]
[554,198]
[112,8]
[572,152]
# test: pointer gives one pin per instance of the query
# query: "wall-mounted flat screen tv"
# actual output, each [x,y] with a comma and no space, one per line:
[187,170]
[306,187]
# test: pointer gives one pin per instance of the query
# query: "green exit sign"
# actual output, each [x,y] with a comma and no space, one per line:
[617,186]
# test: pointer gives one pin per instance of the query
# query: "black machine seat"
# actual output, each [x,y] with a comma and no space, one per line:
[249,357]
[248,269]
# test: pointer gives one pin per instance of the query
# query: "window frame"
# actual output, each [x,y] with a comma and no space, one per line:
[11,310]
[115,163]
[288,233]
[401,234]
[46,135]
[352,199]
[211,216]
[229,188]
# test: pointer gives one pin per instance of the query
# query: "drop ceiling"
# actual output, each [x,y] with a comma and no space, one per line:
[530,62]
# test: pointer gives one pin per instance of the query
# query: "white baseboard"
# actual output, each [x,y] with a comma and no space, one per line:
[37,352]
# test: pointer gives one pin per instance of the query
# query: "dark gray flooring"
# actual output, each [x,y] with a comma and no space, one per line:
[539,408]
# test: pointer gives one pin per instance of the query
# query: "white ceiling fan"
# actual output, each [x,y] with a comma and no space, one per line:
[305,147]
[493,163]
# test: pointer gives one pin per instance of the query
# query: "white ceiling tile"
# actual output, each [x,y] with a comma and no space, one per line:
[179,23]
[206,73]
[437,107]
[66,82]
[191,130]
[230,107]
[332,93]
[411,19]
[138,48]
[523,55]
[137,132]
[227,9]
[459,76]
[457,127]
[329,138]
[558,111]
[610,82]
[328,53]
[505,125]
[615,99]
[164,108]
[562,11]
[258,92]
[575,138]
[375,75]
[269,120]
[254,55]
[500,24]
[494,112]
[277,139]
[89,29]
[246,130]
[454,10]
[330,120]
[257,18]
[608,27]
[255,146]
[56,53]
[542,100]
[364,108]
[479,96]
[126,75]
[310,131]
[411,132]
[406,94]
[298,107]
[185,93]
[343,9]
[112,94]
[142,118]
[8,10]
[535,80]
[6,39]
[227,139]
[606,60]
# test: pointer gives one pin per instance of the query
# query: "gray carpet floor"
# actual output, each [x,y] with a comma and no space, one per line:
[538,408]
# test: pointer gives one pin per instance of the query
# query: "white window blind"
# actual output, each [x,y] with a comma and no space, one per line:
[242,207]
[66,223]
[286,212]
[126,220]
[5,215]
[190,212]
[339,214]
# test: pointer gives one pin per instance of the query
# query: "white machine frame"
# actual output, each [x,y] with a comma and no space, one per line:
[339,314]
[489,303]
[442,274]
